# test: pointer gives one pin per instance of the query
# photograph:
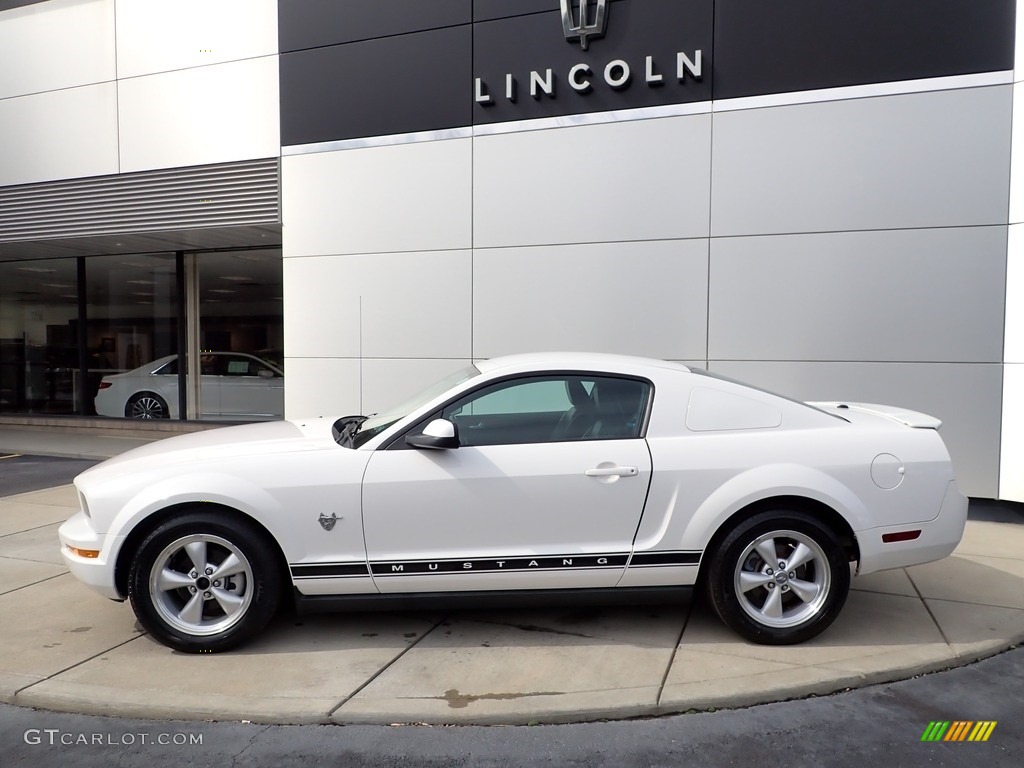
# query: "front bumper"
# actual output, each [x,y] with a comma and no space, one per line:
[938,539]
[96,572]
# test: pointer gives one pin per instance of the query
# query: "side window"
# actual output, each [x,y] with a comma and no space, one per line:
[169,369]
[237,366]
[546,409]
[538,396]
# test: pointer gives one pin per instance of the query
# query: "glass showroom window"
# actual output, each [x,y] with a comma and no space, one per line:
[241,334]
[131,306]
[39,362]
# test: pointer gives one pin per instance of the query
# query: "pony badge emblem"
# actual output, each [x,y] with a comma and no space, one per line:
[588,26]
[327,523]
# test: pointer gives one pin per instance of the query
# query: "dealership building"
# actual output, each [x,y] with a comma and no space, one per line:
[820,197]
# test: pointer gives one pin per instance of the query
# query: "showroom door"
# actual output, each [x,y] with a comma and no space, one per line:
[236,332]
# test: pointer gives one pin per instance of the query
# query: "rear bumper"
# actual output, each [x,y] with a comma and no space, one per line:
[938,538]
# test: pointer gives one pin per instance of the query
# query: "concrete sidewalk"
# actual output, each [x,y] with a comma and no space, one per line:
[64,648]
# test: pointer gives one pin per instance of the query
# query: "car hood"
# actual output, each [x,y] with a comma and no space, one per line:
[267,438]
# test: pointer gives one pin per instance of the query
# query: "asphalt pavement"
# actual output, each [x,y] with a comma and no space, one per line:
[21,474]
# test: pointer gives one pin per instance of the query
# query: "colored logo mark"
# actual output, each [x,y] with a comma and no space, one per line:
[958,730]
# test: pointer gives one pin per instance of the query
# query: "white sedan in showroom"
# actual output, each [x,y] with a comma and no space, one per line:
[539,477]
[232,385]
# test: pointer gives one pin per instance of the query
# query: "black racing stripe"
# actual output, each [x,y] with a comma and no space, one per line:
[665,558]
[324,570]
[493,565]
[476,565]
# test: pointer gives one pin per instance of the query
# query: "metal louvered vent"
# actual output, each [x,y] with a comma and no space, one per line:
[226,194]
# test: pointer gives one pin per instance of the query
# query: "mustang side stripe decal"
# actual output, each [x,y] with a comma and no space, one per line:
[334,570]
[494,565]
[665,558]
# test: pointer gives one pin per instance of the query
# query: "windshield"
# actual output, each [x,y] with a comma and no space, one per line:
[378,422]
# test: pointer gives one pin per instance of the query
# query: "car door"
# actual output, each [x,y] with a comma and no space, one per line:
[209,386]
[545,490]
[249,388]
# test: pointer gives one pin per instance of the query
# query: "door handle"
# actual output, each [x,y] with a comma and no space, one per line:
[612,472]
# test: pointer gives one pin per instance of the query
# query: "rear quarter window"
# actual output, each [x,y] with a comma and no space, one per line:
[713,410]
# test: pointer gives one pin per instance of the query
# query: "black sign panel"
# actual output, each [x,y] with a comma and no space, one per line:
[6,5]
[401,84]
[359,68]
[313,23]
[634,63]
[796,45]
[500,9]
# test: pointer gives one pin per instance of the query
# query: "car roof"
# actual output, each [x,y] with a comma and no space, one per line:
[582,361]
[160,361]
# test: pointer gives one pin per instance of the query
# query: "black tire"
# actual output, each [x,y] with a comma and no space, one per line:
[773,610]
[205,614]
[146,405]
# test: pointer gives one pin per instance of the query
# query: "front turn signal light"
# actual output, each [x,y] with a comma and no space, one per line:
[86,553]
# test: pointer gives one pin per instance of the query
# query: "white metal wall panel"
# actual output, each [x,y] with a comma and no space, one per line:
[1017,157]
[1013,345]
[889,295]
[321,386]
[387,383]
[415,304]
[203,115]
[59,135]
[411,197]
[57,44]
[1011,457]
[919,160]
[162,35]
[633,298]
[640,180]
[394,305]
[321,309]
[966,397]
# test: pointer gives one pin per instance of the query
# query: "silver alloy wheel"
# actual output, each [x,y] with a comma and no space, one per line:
[147,407]
[201,584]
[782,579]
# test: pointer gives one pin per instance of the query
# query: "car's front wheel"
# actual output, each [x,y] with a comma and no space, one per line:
[779,577]
[204,582]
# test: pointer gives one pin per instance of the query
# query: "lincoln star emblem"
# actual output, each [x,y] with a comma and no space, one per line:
[588,25]
[327,523]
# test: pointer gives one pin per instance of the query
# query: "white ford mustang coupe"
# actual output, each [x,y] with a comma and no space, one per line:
[539,477]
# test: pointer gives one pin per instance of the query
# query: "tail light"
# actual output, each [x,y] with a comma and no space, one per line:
[105,385]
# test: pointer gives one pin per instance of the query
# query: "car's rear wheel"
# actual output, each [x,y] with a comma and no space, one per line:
[146,405]
[779,577]
[204,582]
